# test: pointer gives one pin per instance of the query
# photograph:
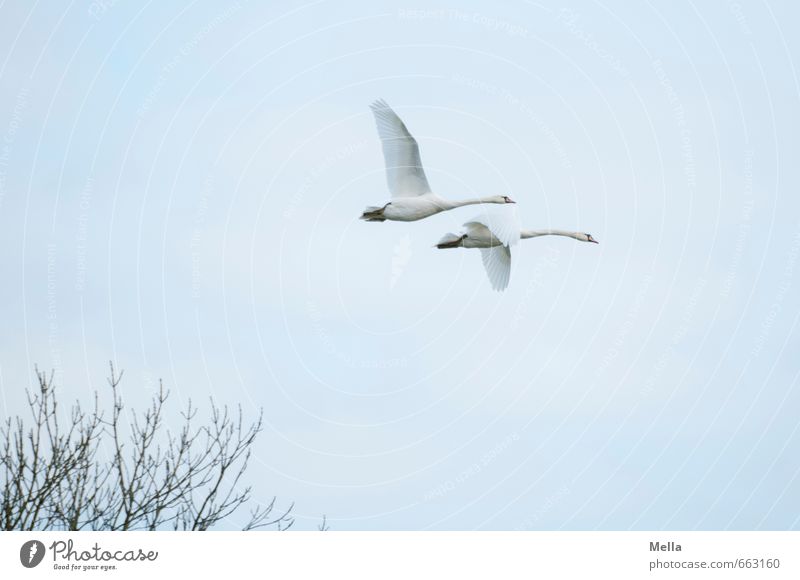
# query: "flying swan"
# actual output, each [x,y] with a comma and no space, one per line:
[412,198]
[493,234]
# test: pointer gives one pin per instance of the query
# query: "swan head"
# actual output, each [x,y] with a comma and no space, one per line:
[587,238]
[501,199]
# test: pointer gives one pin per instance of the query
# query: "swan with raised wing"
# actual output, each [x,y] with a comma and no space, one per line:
[412,198]
[494,234]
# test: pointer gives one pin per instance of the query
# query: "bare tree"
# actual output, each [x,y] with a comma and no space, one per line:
[101,472]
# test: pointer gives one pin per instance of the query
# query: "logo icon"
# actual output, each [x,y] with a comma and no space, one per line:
[31,553]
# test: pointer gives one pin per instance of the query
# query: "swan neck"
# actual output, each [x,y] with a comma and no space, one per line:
[463,202]
[536,233]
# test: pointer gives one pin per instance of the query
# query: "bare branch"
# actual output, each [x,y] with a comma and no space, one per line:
[51,475]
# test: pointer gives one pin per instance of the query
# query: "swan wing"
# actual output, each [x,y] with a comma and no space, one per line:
[479,232]
[404,171]
[497,262]
[502,222]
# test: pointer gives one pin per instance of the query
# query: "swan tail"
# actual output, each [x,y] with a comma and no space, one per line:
[450,241]
[373,214]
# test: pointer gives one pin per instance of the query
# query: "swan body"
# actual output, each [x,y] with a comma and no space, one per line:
[412,198]
[409,209]
[494,235]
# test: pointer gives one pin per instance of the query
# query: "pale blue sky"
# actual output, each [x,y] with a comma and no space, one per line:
[179,192]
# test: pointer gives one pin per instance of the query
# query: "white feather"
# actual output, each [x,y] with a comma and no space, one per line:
[497,262]
[494,231]
[404,172]
[502,221]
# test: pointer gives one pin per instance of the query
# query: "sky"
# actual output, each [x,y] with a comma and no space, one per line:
[180,186]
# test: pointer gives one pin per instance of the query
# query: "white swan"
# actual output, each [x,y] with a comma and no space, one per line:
[412,198]
[494,234]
